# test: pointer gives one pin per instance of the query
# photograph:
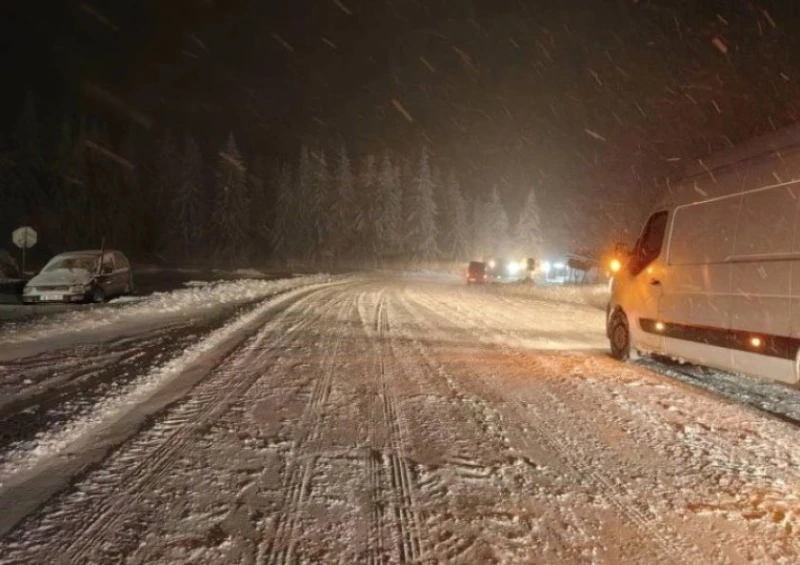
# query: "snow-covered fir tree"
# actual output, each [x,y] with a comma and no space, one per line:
[319,213]
[187,203]
[389,202]
[424,234]
[366,203]
[284,222]
[528,233]
[69,182]
[161,191]
[230,216]
[497,225]
[458,235]
[258,179]
[343,211]
[302,236]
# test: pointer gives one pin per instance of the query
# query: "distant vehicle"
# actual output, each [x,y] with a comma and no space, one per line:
[502,269]
[713,278]
[81,276]
[476,273]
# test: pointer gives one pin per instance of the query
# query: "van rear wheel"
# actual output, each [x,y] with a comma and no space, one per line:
[620,337]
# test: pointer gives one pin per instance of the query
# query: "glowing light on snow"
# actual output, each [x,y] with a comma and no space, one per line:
[615,265]
[513,267]
[546,267]
[492,264]
[558,265]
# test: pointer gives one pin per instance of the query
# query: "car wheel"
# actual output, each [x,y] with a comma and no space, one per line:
[620,336]
[98,294]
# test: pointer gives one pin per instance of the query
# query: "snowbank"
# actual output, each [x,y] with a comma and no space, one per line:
[191,300]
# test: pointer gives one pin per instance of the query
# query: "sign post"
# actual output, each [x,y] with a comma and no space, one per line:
[24,238]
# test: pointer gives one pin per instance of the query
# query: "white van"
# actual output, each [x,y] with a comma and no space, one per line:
[714,278]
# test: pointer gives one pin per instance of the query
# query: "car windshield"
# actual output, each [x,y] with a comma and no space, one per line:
[75,263]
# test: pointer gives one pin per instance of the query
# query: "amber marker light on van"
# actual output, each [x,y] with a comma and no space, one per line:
[756,342]
[659,326]
[615,265]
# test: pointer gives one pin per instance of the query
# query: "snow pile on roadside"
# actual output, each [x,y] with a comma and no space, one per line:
[133,394]
[189,300]
[595,295]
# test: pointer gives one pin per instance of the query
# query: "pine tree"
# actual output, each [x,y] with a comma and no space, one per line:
[187,203]
[444,220]
[457,210]
[319,213]
[408,198]
[282,231]
[389,203]
[343,209]
[28,162]
[130,200]
[528,232]
[259,204]
[161,193]
[424,234]
[367,208]
[302,236]
[497,237]
[230,215]
[103,186]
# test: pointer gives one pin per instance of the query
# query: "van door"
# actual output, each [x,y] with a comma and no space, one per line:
[696,281]
[645,287]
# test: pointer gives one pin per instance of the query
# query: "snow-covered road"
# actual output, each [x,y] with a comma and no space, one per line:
[371,420]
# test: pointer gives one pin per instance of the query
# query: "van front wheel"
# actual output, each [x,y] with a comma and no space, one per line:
[620,337]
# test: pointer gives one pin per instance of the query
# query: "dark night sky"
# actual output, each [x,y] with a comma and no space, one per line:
[587,100]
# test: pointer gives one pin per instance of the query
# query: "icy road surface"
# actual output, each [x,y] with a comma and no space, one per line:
[353,420]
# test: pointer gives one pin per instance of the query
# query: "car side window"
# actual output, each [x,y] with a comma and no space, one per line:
[649,246]
[108,264]
[120,261]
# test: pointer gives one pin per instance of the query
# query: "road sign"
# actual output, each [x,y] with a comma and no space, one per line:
[24,237]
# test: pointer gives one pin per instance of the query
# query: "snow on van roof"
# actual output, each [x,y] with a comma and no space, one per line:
[784,139]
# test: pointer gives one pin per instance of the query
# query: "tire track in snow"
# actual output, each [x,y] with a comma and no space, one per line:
[407,519]
[298,471]
[388,474]
[482,414]
[375,549]
[671,545]
[209,400]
